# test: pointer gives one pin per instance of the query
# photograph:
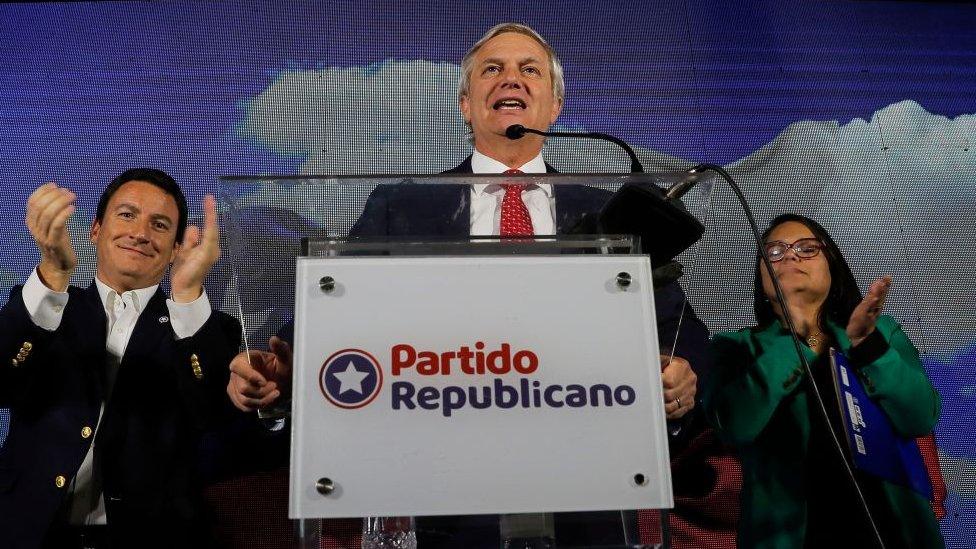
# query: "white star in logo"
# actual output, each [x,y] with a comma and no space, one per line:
[350,379]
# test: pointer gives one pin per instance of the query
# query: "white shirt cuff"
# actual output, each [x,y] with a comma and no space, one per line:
[44,305]
[188,318]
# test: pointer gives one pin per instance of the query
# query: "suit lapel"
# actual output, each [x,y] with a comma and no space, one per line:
[428,210]
[150,329]
[95,320]
[571,207]
[573,204]
[455,200]
[90,323]
[462,168]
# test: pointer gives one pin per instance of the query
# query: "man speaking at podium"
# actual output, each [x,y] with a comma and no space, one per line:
[510,76]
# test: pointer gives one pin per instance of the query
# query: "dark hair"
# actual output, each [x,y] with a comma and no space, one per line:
[844,294]
[156,177]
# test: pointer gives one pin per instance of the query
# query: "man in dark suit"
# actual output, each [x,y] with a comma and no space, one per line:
[510,76]
[111,387]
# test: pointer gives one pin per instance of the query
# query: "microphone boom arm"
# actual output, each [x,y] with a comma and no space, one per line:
[516,131]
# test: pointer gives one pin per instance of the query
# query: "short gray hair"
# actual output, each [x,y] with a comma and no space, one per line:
[555,66]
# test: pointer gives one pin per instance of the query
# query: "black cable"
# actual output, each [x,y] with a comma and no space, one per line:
[796,339]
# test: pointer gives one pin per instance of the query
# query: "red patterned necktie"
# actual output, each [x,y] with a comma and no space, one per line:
[515,220]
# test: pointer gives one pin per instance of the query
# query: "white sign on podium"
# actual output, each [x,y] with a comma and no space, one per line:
[470,385]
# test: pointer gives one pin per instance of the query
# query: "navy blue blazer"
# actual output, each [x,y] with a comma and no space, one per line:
[439,210]
[146,447]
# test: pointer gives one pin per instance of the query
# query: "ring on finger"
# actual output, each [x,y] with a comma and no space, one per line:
[678,401]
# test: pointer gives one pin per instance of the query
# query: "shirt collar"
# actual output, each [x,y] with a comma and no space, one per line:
[481,163]
[139,297]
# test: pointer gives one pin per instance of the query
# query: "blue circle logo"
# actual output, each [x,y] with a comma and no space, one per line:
[350,378]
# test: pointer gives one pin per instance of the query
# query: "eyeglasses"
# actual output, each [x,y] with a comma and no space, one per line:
[804,248]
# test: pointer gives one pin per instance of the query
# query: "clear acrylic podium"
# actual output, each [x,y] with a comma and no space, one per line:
[349,289]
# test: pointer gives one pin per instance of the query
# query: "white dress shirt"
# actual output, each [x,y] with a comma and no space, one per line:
[486,199]
[46,309]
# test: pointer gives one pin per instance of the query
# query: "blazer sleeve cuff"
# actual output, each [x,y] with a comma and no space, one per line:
[188,318]
[44,306]
[869,350]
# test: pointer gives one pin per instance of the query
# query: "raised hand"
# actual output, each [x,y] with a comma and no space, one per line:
[48,210]
[680,386]
[197,254]
[866,313]
[259,378]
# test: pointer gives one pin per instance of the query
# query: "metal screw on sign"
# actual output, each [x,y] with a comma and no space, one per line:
[327,283]
[324,486]
[623,280]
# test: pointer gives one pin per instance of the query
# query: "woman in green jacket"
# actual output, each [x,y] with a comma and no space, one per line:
[796,492]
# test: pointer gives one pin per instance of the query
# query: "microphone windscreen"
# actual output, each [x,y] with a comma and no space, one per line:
[665,228]
[515,131]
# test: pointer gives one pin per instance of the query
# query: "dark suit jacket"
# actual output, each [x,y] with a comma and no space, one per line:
[439,210]
[146,446]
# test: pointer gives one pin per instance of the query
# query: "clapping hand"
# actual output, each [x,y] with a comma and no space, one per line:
[48,210]
[196,255]
[866,313]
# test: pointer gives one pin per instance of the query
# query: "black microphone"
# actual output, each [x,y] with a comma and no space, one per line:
[517,131]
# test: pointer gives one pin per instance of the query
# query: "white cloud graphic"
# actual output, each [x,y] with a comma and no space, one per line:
[896,192]
[390,117]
